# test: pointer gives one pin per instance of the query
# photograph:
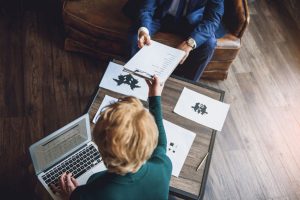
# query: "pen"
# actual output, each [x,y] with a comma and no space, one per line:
[202,161]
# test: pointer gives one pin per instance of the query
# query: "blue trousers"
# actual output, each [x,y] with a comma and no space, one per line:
[198,57]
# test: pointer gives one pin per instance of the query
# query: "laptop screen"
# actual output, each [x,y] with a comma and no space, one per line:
[59,144]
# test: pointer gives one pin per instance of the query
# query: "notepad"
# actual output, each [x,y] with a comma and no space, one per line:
[155,59]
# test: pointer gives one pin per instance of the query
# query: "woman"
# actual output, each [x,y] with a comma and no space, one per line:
[132,143]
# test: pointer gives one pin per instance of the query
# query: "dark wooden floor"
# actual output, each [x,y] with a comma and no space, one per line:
[42,87]
[257,155]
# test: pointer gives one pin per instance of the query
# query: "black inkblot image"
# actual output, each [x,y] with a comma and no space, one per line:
[129,80]
[172,147]
[200,108]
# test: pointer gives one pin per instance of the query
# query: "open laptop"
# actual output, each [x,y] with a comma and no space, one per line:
[68,149]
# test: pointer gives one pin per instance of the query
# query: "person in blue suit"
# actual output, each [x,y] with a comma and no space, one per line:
[195,20]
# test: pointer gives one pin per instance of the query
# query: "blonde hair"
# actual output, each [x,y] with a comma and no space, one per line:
[126,135]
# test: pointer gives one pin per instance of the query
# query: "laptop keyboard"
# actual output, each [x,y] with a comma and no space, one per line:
[77,164]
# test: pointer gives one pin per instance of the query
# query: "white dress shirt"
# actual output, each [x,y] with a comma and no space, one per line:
[174,7]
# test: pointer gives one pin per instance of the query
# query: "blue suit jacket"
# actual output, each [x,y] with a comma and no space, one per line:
[206,15]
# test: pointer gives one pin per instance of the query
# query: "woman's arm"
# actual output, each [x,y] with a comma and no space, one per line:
[155,109]
[155,89]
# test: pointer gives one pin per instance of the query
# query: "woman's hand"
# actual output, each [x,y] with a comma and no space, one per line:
[155,87]
[67,184]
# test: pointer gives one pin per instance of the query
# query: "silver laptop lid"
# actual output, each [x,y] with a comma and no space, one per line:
[60,144]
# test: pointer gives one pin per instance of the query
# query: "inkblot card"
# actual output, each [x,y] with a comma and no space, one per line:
[202,109]
[179,143]
[117,80]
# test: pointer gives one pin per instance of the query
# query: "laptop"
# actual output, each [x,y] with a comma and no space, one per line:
[69,149]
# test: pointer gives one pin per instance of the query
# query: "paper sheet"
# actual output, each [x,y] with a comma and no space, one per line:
[155,59]
[179,141]
[115,79]
[202,109]
[106,101]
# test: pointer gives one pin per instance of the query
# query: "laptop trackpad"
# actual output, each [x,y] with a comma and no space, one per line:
[84,178]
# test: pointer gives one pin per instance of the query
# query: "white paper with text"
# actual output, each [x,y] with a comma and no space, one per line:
[155,59]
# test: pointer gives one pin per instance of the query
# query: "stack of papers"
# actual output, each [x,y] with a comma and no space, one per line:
[155,59]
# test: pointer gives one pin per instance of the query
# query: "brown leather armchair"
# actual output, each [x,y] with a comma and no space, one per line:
[99,28]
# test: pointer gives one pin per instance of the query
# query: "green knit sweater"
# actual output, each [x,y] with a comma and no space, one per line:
[151,181]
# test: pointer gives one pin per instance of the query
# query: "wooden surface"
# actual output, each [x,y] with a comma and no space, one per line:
[293,7]
[257,155]
[190,180]
[42,87]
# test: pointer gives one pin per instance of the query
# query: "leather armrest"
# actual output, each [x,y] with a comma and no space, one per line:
[229,41]
[236,16]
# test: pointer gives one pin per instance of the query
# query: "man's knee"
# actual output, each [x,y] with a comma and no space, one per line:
[205,50]
[210,44]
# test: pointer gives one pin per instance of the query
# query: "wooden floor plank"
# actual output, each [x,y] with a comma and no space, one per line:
[220,184]
[12,100]
[244,175]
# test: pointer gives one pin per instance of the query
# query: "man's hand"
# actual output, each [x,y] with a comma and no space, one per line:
[186,48]
[144,39]
[67,184]
[155,88]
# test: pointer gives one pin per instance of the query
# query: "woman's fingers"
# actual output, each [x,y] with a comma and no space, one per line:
[70,184]
[55,189]
[62,182]
[149,83]
[74,181]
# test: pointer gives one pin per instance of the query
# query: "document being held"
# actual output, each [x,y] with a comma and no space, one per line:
[155,59]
